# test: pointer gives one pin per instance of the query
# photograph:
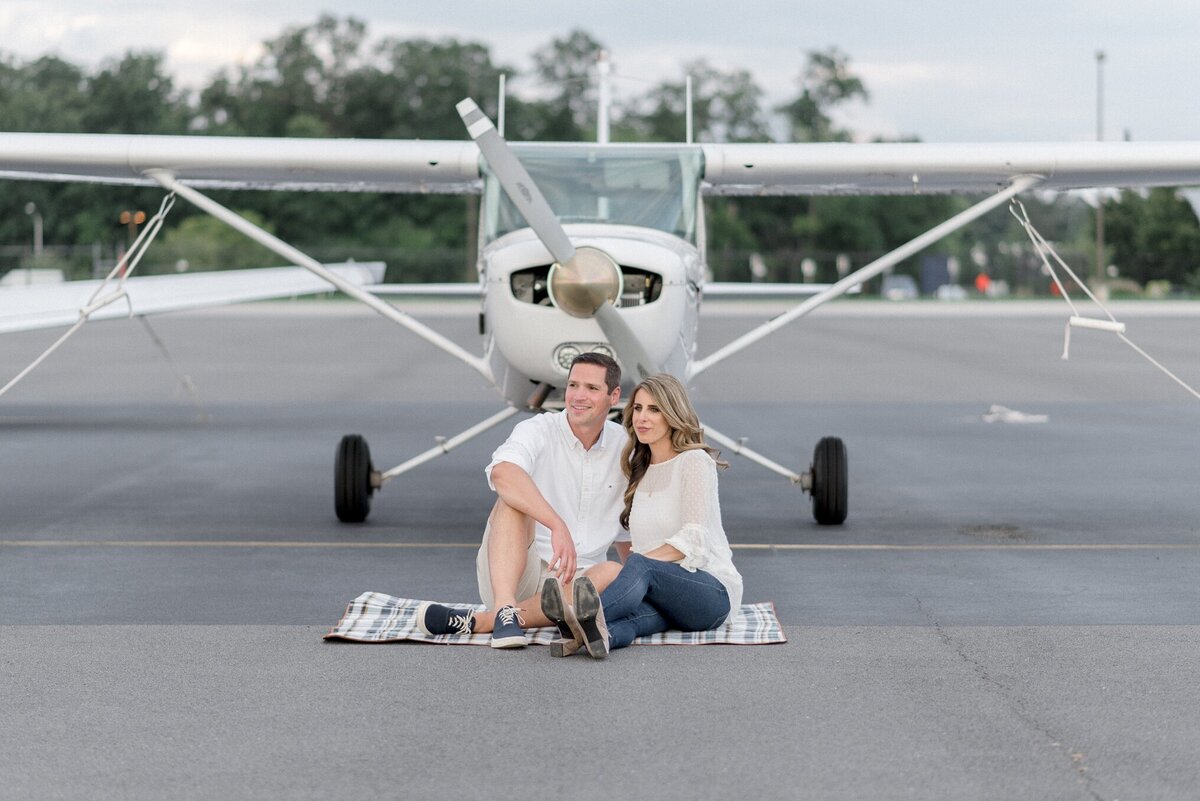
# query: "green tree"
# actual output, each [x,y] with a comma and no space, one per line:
[825,83]
[302,75]
[726,107]
[563,70]
[1153,236]
[134,95]
[205,243]
[413,89]
[46,95]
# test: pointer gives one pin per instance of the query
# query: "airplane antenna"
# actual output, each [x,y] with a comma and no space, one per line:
[500,110]
[604,67]
[687,107]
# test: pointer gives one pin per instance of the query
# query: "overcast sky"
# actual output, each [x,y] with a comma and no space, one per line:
[944,71]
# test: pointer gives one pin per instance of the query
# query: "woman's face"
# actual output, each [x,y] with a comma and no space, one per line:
[649,425]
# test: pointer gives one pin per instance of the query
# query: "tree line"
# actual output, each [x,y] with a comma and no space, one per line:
[331,78]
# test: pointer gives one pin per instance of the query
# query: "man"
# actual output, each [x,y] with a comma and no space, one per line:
[560,488]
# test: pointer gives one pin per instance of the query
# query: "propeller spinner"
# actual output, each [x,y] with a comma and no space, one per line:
[584,281]
[590,280]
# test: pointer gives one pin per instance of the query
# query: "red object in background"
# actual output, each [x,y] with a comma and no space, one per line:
[982,282]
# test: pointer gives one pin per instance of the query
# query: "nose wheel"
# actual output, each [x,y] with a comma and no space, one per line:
[352,479]
[830,482]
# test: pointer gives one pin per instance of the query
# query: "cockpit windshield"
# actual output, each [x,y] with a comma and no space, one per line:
[652,187]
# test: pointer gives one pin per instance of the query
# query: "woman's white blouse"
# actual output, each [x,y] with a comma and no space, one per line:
[676,503]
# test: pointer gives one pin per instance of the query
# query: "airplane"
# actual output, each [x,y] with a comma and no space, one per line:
[594,246]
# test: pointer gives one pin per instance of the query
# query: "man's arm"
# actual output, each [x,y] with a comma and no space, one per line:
[516,488]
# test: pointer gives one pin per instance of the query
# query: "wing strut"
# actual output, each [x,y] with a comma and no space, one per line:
[865,273]
[444,446]
[100,298]
[738,446]
[273,243]
[1076,320]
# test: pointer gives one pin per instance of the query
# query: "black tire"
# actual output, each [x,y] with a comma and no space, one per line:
[830,482]
[352,479]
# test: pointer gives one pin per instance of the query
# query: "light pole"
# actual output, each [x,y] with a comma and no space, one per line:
[31,210]
[1099,138]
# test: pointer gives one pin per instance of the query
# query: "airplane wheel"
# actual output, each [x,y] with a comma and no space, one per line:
[352,479]
[829,482]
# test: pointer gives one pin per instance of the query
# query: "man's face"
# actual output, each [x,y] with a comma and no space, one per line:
[587,396]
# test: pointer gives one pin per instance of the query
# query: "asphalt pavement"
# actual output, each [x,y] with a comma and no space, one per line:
[1009,612]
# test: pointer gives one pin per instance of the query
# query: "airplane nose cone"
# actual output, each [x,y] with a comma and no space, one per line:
[584,283]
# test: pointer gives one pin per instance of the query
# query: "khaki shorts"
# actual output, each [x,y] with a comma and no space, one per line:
[531,578]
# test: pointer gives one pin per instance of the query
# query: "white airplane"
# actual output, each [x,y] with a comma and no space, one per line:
[584,246]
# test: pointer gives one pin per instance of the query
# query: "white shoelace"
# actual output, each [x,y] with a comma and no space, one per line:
[510,613]
[461,622]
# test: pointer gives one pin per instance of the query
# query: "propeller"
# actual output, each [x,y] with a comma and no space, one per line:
[584,281]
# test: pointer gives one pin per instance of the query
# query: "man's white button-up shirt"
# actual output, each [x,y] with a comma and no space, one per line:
[584,486]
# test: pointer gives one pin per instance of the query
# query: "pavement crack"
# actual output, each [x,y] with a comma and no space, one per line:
[1078,762]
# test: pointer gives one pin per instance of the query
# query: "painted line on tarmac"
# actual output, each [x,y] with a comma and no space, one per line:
[225,544]
[743,546]
[1018,546]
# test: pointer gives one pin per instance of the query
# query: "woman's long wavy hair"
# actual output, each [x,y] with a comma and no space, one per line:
[686,434]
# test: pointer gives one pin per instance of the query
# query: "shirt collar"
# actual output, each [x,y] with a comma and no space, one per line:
[573,441]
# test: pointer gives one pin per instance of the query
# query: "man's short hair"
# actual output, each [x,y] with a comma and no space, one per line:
[612,370]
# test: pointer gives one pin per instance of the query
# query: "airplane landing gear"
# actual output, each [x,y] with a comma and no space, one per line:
[352,486]
[355,479]
[829,482]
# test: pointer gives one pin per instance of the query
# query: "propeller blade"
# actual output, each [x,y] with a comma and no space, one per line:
[532,204]
[628,347]
[516,181]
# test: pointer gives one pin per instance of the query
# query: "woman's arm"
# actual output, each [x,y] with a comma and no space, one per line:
[665,553]
[698,500]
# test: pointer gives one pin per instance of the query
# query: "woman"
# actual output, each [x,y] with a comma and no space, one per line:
[680,574]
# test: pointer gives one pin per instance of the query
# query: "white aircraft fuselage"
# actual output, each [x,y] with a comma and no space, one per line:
[530,341]
[597,195]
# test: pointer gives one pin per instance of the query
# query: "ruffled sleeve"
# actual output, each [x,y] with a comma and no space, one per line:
[691,541]
[700,509]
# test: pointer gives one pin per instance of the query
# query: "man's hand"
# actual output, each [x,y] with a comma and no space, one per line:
[562,558]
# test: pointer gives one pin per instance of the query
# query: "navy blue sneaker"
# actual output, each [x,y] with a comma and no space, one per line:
[507,632]
[437,619]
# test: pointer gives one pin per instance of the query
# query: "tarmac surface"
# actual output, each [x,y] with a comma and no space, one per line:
[1010,610]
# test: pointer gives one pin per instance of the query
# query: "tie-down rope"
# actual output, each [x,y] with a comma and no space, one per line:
[1044,249]
[126,265]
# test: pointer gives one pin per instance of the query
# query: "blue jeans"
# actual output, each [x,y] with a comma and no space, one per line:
[649,596]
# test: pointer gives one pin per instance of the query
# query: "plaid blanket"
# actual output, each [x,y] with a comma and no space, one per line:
[375,617]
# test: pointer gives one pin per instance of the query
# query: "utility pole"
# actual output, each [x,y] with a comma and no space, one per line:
[1100,275]
[32,211]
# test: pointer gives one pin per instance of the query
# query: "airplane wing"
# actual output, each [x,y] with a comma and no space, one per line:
[914,167]
[232,162]
[733,290]
[25,308]
[452,167]
[461,289]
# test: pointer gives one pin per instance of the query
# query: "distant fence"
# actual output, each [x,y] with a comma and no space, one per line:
[1020,268]
[93,261]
